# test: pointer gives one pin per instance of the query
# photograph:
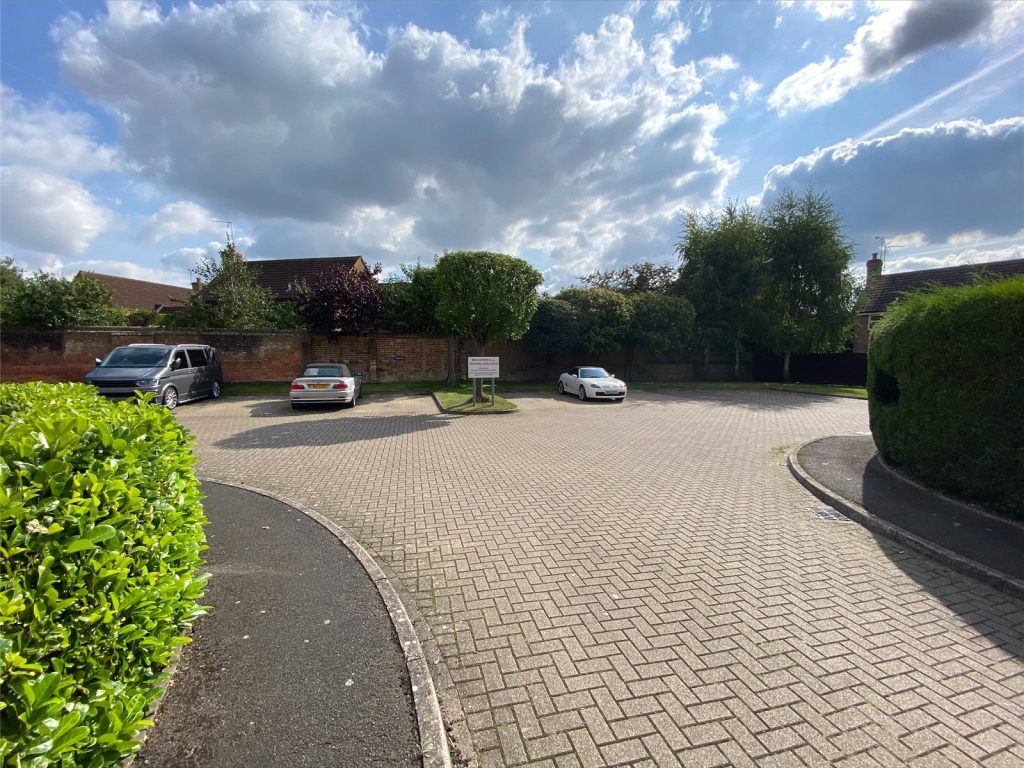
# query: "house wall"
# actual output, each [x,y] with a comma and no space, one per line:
[860,334]
[67,355]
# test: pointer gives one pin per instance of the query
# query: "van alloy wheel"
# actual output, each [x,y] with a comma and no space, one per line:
[170,398]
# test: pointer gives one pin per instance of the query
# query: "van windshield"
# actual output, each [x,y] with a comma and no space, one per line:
[135,357]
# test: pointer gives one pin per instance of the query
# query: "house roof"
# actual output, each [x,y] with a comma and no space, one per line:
[279,274]
[885,289]
[140,294]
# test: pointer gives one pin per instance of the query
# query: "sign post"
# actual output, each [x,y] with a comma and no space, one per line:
[483,368]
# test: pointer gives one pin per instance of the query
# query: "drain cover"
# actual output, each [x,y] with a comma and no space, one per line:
[827,513]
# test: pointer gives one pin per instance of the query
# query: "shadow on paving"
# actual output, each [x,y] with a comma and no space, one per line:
[849,466]
[297,663]
[329,427]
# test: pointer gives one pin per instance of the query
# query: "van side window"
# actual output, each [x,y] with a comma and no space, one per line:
[197,358]
[179,361]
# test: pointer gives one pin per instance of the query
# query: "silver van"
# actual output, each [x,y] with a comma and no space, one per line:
[174,373]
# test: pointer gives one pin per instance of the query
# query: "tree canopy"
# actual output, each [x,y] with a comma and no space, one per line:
[604,318]
[341,300]
[485,296]
[721,255]
[43,300]
[231,298]
[410,300]
[807,292]
[641,277]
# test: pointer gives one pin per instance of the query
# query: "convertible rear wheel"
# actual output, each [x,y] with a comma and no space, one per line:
[583,393]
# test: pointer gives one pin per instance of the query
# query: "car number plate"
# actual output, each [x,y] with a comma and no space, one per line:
[318,386]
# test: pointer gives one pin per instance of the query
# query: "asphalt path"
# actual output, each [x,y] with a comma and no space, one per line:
[297,664]
[849,465]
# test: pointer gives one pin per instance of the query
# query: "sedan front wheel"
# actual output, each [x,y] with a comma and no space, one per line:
[561,388]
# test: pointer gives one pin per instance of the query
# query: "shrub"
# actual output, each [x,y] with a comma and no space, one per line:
[101,528]
[946,390]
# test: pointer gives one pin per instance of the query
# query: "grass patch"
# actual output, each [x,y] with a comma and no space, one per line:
[465,388]
[835,390]
[462,402]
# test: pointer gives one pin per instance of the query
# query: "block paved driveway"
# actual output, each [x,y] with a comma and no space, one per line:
[645,583]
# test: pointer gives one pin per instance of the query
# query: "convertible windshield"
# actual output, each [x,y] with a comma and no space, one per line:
[593,373]
[323,370]
[135,357]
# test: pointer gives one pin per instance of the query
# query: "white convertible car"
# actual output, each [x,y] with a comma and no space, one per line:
[587,381]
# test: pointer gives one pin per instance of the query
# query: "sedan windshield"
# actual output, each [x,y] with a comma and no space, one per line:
[593,373]
[322,371]
[136,357]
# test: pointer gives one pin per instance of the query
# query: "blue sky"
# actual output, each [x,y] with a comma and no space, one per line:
[575,135]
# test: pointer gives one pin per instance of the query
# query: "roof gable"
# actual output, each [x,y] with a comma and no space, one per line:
[885,289]
[278,275]
[140,294]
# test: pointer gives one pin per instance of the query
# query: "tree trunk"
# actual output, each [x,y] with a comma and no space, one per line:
[736,361]
[707,360]
[453,370]
[785,367]
[478,384]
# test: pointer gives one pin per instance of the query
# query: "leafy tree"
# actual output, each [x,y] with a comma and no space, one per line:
[410,301]
[485,296]
[604,318]
[808,291]
[47,301]
[554,330]
[721,255]
[659,324]
[642,277]
[231,297]
[11,281]
[341,300]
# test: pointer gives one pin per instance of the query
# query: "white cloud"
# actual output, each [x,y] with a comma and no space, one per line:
[746,91]
[666,9]
[279,113]
[45,137]
[896,35]
[487,19]
[48,213]
[950,257]
[935,183]
[177,219]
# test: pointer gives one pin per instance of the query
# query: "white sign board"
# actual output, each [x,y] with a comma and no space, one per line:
[483,367]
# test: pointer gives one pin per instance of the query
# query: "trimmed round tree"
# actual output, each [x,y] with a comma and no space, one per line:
[946,390]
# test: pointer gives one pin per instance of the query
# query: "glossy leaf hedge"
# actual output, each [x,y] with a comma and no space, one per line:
[946,390]
[101,529]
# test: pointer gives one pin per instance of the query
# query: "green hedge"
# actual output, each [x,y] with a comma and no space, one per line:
[946,390]
[101,527]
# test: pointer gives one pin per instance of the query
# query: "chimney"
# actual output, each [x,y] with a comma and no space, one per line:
[874,268]
[197,284]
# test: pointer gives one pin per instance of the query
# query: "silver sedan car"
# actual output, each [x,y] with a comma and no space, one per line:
[326,384]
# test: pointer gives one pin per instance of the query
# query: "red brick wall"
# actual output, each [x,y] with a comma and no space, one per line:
[27,355]
[68,355]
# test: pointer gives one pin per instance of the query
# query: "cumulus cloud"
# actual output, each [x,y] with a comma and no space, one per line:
[282,114]
[892,38]
[44,136]
[177,219]
[48,213]
[932,183]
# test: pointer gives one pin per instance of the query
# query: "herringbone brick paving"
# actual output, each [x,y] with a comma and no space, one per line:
[644,584]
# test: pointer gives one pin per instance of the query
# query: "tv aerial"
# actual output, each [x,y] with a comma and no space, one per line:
[885,245]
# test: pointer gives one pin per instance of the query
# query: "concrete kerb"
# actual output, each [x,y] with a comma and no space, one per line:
[442,409]
[854,511]
[433,735]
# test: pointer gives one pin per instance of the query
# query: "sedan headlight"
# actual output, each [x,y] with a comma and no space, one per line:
[146,382]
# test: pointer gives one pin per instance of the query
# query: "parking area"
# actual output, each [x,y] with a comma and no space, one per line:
[644,583]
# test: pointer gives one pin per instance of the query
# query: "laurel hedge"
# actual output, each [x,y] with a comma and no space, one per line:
[101,528]
[946,390]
